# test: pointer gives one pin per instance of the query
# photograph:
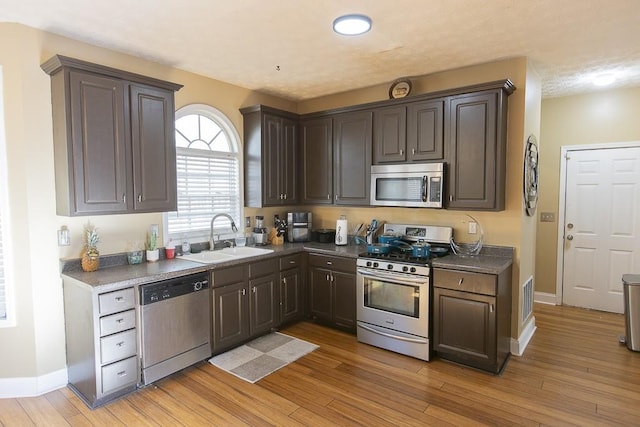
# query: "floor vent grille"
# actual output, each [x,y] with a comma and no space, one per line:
[527,299]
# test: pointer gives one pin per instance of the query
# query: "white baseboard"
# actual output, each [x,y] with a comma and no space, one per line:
[519,345]
[33,386]
[544,298]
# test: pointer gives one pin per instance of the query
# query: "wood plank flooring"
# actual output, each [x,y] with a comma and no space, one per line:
[574,372]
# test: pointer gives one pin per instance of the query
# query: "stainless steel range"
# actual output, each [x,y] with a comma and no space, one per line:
[394,293]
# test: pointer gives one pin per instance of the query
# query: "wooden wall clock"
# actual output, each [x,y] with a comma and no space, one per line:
[530,181]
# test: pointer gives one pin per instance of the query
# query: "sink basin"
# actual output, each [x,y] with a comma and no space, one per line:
[226,254]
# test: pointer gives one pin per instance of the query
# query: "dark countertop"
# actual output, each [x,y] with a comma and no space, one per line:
[117,274]
[491,260]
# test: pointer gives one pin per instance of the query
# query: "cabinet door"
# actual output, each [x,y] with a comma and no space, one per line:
[425,130]
[289,162]
[390,134]
[473,182]
[317,161]
[154,149]
[99,145]
[230,316]
[465,327]
[352,157]
[265,301]
[272,133]
[320,294]
[290,295]
[344,300]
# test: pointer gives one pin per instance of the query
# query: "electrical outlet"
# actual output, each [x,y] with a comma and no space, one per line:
[473,227]
[247,221]
[547,217]
[64,237]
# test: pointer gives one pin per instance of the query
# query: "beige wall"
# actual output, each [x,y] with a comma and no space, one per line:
[596,118]
[36,346]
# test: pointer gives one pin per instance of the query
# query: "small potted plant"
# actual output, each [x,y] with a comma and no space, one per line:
[90,255]
[153,254]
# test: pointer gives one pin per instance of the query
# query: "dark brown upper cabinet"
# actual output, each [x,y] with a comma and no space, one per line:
[352,157]
[316,140]
[114,139]
[411,132]
[271,156]
[477,149]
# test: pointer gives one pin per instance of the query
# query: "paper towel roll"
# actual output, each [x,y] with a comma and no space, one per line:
[341,231]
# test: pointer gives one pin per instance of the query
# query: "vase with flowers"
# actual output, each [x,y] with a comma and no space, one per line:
[90,255]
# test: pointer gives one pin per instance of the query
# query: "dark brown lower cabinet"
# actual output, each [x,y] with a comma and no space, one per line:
[245,303]
[332,291]
[472,318]
[291,288]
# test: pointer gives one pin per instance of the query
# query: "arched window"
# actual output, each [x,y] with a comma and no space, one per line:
[208,173]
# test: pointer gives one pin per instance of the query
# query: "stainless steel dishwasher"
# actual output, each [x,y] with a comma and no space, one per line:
[175,326]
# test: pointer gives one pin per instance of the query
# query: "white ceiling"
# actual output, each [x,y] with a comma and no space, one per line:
[244,41]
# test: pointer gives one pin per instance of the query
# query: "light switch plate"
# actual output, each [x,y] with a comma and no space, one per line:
[547,217]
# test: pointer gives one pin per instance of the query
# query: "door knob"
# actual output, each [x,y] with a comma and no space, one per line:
[569,236]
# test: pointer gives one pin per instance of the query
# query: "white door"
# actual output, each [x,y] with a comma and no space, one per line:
[601,226]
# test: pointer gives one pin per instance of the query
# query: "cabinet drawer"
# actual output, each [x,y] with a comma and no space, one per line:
[118,346]
[478,283]
[228,276]
[347,265]
[290,261]
[117,322]
[119,375]
[262,268]
[113,302]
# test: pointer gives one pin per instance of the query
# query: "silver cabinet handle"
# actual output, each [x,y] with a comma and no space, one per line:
[329,263]
[491,308]
[460,281]
[119,299]
[570,237]
[244,292]
[328,196]
[328,279]
[401,151]
[124,198]
[120,344]
[413,151]
[284,281]
[122,374]
[139,197]
[253,290]
[285,196]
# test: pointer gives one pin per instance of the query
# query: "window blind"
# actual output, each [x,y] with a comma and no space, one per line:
[207,184]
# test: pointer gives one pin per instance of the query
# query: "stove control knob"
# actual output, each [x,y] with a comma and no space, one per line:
[405,268]
[389,266]
[413,269]
[375,264]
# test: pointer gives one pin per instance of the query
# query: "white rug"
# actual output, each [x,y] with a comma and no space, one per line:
[262,356]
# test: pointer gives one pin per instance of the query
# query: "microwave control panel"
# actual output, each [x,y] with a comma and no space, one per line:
[435,189]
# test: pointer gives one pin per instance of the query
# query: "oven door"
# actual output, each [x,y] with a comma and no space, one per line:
[394,301]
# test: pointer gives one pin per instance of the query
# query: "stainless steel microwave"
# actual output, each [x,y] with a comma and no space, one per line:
[411,185]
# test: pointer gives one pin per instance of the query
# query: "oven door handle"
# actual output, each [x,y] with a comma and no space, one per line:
[396,278]
[395,337]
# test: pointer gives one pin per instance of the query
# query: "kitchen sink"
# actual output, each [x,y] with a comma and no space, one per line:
[226,254]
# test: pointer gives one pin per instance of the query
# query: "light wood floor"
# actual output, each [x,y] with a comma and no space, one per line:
[573,372]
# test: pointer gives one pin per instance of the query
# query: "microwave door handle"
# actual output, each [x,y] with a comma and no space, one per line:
[425,181]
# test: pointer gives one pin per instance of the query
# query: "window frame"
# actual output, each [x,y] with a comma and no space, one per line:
[234,139]
[10,319]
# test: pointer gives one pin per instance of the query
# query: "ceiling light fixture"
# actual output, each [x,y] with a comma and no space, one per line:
[604,79]
[352,25]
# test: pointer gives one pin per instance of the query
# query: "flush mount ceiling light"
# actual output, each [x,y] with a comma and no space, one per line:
[352,25]
[604,79]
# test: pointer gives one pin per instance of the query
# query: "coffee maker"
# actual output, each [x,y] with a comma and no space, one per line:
[299,226]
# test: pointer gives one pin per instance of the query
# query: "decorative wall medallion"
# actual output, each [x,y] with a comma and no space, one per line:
[530,181]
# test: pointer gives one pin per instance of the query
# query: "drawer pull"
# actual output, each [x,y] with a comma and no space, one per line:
[120,344]
[120,320]
[460,281]
[122,374]
[119,299]
[329,263]
[292,262]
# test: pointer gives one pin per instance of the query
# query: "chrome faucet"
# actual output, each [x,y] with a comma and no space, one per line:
[233,227]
